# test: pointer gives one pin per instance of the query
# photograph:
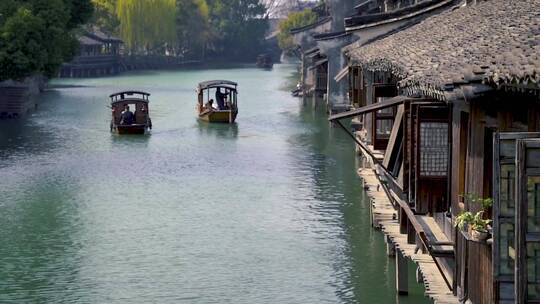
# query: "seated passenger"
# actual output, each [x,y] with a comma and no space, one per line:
[210,105]
[200,107]
[126,118]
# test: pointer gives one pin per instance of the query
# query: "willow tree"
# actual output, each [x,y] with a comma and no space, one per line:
[147,26]
[104,15]
[294,20]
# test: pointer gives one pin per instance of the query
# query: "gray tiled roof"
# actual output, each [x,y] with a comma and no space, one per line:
[495,42]
[84,40]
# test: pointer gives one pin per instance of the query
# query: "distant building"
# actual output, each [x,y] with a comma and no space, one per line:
[99,55]
[343,22]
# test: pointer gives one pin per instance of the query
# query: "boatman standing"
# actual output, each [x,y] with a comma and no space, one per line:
[220,98]
[126,118]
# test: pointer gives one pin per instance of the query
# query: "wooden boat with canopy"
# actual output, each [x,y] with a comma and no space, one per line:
[264,61]
[221,103]
[124,121]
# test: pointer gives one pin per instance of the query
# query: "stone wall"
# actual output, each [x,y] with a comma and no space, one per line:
[17,98]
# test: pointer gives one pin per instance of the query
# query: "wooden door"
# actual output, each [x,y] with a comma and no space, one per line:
[504,211]
[528,221]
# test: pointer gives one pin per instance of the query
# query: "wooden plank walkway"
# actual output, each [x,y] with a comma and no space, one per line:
[385,218]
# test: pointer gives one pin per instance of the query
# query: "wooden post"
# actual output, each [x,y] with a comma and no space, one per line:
[419,276]
[402,287]
[402,221]
[390,248]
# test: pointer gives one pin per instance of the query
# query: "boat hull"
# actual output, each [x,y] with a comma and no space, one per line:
[130,129]
[225,116]
[267,66]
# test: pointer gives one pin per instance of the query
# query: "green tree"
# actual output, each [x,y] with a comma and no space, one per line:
[192,28]
[239,27]
[105,16]
[147,26]
[36,36]
[294,20]
[21,47]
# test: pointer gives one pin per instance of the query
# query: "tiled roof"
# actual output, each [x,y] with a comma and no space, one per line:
[100,36]
[84,40]
[330,35]
[310,26]
[495,42]
[361,19]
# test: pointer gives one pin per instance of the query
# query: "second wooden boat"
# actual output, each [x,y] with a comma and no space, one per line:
[221,103]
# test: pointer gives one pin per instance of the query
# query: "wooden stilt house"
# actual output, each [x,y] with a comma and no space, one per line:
[450,114]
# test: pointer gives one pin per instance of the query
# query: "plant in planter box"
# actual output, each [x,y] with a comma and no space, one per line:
[464,219]
[479,227]
[474,223]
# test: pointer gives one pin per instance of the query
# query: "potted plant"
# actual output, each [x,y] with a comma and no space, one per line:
[474,224]
[463,220]
[479,227]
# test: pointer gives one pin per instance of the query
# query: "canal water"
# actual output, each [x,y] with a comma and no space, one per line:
[268,210]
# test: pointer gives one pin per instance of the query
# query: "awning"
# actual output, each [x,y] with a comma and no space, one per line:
[318,63]
[312,51]
[372,107]
[342,74]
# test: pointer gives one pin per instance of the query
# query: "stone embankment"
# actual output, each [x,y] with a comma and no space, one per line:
[19,97]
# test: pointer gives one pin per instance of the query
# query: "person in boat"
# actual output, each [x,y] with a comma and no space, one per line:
[127,117]
[227,103]
[220,98]
[209,105]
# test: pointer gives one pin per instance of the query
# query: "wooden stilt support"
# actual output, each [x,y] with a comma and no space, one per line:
[390,248]
[419,276]
[402,286]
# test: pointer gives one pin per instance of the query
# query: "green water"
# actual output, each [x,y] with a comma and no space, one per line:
[265,211]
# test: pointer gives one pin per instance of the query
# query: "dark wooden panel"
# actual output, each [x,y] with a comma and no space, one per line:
[479,280]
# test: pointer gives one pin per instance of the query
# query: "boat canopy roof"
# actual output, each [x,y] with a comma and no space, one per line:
[231,85]
[133,96]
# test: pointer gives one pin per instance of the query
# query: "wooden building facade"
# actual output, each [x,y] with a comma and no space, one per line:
[449,112]
[99,55]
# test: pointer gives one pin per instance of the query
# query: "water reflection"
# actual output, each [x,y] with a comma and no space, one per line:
[328,156]
[268,210]
[39,258]
[130,140]
[221,130]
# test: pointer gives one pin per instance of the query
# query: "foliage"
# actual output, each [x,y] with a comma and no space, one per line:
[105,15]
[476,221]
[294,20]
[486,203]
[238,28]
[228,29]
[192,27]
[36,36]
[464,218]
[146,25]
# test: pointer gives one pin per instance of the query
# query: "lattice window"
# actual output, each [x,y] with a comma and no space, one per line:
[433,148]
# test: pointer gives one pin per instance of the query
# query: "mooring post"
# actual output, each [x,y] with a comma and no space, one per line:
[402,286]
[390,247]
[419,276]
